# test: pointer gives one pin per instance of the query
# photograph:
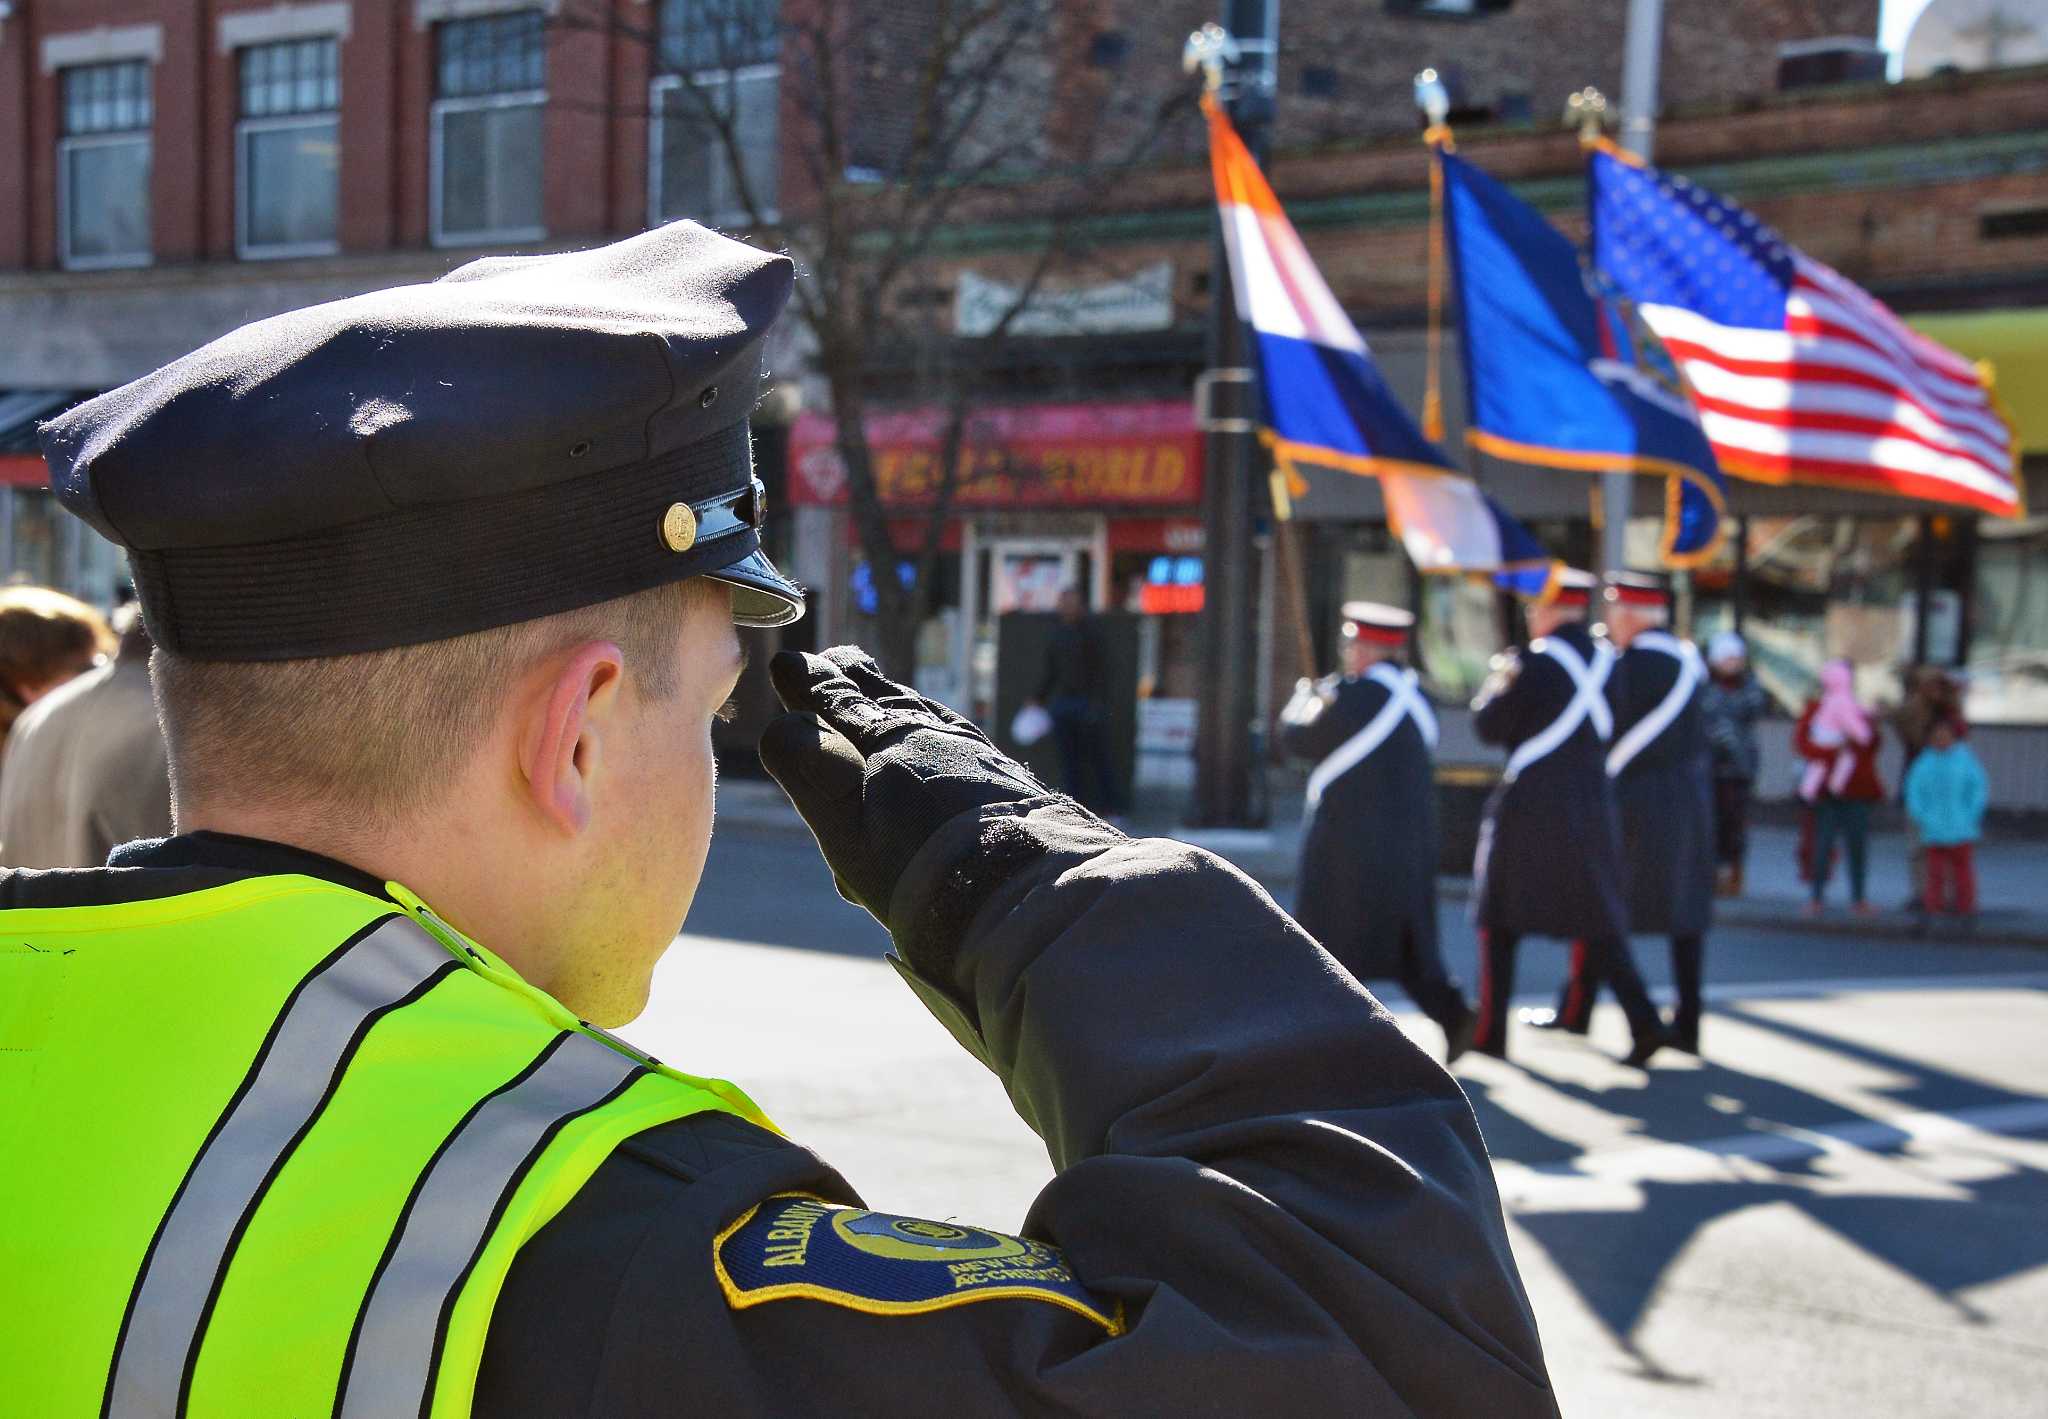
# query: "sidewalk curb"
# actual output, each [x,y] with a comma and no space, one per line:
[752,807]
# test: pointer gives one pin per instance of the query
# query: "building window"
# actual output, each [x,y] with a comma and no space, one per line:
[721,68]
[490,90]
[103,165]
[288,149]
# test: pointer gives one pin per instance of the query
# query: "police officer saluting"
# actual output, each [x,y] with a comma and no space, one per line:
[1549,858]
[1367,885]
[1662,769]
[309,1108]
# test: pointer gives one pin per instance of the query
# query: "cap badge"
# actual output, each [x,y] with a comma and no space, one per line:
[679,527]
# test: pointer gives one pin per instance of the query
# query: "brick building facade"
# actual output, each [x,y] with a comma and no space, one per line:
[300,150]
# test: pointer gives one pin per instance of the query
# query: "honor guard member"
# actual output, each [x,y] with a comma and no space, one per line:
[310,1108]
[1367,886]
[1549,859]
[1662,769]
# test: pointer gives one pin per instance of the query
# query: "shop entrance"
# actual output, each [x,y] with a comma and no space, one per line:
[1011,571]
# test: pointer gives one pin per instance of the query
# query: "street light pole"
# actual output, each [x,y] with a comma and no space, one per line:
[1639,76]
[1242,58]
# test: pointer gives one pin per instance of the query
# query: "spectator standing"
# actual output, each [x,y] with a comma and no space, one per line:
[85,767]
[1072,690]
[46,638]
[1731,704]
[1932,698]
[1839,740]
[1945,796]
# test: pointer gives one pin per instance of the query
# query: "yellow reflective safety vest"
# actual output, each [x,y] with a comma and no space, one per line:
[271,1147]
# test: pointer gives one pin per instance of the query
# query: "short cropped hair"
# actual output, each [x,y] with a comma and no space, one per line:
[368,738]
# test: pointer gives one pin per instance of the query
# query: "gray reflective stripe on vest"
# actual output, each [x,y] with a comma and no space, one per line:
[290,1082]
[1404,701]
[396,1346]
[1589,701]
[1644,731]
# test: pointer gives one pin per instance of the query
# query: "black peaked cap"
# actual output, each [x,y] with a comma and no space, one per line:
[524,436]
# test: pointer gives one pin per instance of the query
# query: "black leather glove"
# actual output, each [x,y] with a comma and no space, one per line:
[876,768]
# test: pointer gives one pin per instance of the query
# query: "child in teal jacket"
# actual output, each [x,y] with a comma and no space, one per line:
[1945,796]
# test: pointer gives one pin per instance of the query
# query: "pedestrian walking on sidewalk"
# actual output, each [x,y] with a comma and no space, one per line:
[1073,687]
[1839,740]
[1730,705]
[1945,796]
[1368,858]
[1549,860]
[1660,765]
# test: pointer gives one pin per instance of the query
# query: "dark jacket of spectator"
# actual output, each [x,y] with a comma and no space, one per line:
[1934,699]
[1730,710]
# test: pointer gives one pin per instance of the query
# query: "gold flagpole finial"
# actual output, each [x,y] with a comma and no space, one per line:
[1586,110]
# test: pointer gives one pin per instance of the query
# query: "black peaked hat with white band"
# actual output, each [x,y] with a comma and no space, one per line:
[1641,590]
[1377,622]
[1568,587]
[525,436]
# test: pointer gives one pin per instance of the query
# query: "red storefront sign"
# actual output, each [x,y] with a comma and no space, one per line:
[1049,455]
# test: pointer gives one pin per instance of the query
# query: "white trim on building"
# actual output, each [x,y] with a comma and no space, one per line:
[103,44]
[281,22]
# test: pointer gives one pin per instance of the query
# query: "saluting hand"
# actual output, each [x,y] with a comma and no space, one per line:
[876,768]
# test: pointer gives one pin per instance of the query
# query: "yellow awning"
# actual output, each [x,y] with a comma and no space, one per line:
[2016,344]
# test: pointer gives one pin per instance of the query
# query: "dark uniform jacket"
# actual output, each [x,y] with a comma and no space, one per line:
[1283,1206]
[1665,792]
[1368,859]
[1550,846]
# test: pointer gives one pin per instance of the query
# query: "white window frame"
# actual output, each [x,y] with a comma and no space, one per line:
[247,250]
[65,148]
[436,155]
[657,109]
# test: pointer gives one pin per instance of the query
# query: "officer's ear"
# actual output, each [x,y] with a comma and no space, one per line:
[562,742]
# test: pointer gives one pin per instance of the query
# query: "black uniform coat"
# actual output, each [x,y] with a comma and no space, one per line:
[1368,859]
[1289,1202]
[1665,794]
[1550,846]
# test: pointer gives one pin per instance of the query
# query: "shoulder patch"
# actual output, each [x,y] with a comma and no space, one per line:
[795,1246]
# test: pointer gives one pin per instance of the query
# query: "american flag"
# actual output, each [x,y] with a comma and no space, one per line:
[1799,375]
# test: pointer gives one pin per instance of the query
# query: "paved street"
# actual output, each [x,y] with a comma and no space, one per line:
[1837,1212]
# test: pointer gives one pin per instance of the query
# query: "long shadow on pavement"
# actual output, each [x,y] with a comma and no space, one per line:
[1615,1258]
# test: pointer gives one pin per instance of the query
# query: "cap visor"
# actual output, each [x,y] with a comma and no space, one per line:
[761,595]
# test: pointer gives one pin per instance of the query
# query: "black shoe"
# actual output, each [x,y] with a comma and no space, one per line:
[1547,1019]
[1683,1037]
[1458,1038]
[1646,1046]
[1492,1050]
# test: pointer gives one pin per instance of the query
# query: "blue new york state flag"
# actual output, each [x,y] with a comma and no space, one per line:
[1555,372]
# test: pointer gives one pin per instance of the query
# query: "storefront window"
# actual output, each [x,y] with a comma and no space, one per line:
[1458,634]
[2008,664]
[1821,588]
[934,673]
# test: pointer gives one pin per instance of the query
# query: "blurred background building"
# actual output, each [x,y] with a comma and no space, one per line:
[1030,245]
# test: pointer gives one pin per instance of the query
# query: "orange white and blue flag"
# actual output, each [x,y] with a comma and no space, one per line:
[1323,400]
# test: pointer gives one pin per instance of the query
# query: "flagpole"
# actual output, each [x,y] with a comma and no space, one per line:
[1641,55]
[1237,61]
